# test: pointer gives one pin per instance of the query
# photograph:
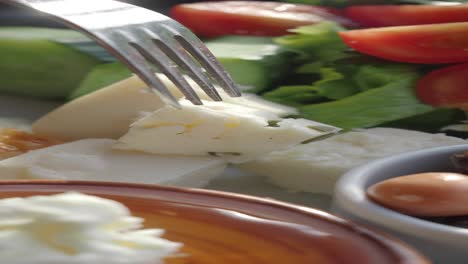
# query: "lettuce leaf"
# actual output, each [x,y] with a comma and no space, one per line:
[393,101]
[315,42]
[372,76]
[294,95]
[346,89]
[430,122]
[332,85]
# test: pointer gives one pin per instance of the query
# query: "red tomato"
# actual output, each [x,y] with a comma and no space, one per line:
[211,19]
[436,43]
[400,15]
[446,87]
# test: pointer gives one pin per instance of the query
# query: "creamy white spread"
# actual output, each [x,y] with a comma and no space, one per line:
[74,228]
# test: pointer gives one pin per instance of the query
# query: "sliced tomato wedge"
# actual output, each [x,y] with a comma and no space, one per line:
[446,87]
[211,19]
[400,15]
[427,44]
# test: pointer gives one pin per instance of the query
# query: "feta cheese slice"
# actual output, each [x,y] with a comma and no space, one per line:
[95,160]
[108,112]
[234,132]
[318,165]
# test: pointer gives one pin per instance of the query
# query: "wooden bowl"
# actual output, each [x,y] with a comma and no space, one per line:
[227,228]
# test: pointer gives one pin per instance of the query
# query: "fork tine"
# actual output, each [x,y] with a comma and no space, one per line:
[158,58]
[137,63]
[204,56]
[155,84]
[174,51]
[103,22]
[178,54]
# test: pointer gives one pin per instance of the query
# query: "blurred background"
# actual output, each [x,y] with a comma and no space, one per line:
[10,15]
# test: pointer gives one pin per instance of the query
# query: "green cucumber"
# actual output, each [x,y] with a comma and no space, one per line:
[35,62]
[64,64]
[99,77]
[253,62]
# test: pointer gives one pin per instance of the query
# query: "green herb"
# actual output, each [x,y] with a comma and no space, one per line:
[273,123]
[222,154]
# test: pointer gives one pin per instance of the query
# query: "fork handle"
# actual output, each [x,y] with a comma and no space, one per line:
[86,16]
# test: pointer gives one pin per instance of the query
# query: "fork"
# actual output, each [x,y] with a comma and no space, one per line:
[141,39]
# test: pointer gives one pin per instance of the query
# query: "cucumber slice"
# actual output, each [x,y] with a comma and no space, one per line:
[34,62]
[253,62]
[100,77]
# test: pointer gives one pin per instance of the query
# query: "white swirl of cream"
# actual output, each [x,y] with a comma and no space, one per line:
[74,228]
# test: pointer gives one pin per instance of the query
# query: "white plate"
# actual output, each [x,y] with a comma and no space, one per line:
[22,111]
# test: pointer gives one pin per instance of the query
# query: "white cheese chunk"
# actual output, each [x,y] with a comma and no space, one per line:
[108,112]
[95,160]
[234,132]
[76,228]
[315,167]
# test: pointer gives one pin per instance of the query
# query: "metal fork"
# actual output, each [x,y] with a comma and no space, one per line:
[142,38]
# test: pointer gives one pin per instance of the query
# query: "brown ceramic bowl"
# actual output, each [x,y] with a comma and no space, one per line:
[227,228]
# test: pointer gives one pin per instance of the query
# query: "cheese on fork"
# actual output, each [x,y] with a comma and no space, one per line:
[95,160]
[315,167]
[247,99]
[108,112]
[234,132]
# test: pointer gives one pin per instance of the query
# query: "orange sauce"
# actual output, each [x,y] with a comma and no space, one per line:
[15,142]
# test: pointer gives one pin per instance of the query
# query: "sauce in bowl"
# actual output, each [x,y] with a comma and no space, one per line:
[218,227]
